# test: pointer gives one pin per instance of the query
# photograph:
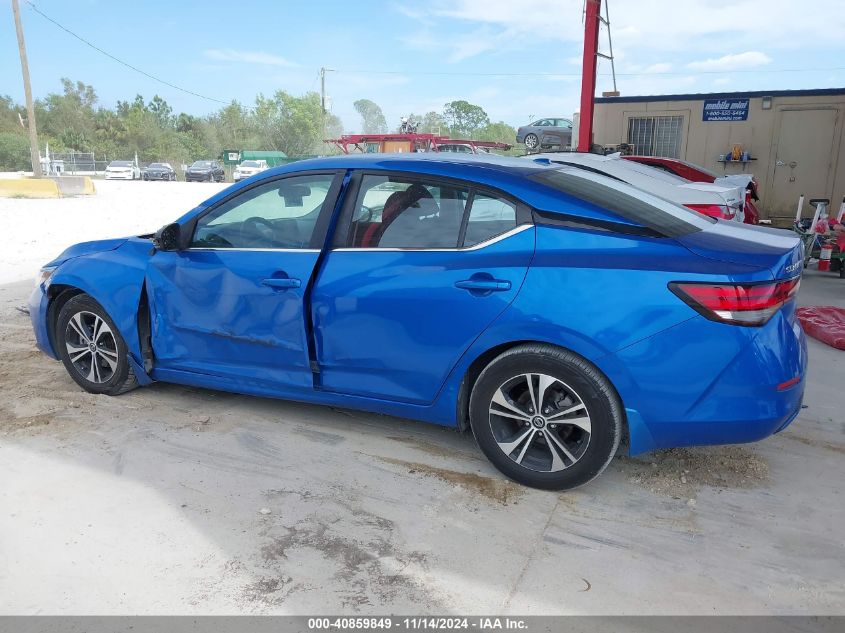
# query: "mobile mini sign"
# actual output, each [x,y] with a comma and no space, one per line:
[725,110]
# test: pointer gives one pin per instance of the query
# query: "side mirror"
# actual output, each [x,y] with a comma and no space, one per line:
[167,238]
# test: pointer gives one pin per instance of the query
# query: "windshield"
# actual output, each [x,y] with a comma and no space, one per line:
[120,163]
[202,164]
[626,201]
[250,163]
[157,166]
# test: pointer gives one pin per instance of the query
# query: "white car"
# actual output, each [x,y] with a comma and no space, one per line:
[723,200]
[122,170]
[249,168]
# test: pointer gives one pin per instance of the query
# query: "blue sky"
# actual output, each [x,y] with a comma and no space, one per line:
[387,50]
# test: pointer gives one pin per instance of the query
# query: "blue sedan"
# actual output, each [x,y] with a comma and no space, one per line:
[552,310]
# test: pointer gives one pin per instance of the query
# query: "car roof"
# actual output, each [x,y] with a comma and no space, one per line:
[412,161]
[502,172]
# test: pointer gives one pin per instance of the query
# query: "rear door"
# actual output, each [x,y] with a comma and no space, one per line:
[232,304]
[421,266]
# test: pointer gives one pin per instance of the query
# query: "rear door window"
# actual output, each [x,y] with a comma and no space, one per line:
[489,216]
[395,212]
[419,213]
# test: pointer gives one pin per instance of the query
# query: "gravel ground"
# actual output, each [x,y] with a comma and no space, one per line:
[176,500]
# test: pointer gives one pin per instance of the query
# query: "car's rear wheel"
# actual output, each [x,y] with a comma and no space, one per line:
[531,141]
[546,417]
[92,349]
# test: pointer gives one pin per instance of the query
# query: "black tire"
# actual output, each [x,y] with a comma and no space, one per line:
[532,142]
[585,453]
[116,375]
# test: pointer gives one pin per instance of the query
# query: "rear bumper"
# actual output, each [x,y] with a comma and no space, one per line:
[691,386]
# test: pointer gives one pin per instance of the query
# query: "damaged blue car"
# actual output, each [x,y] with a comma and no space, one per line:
[552,310]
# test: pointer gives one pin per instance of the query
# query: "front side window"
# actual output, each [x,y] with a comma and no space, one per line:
[278,214]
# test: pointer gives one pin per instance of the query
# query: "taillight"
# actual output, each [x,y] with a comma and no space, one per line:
[740,304]
[713,210]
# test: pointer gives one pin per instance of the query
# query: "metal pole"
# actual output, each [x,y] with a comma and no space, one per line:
[588,74]
[610,44]
[27,89]
[800,208]
[323,100]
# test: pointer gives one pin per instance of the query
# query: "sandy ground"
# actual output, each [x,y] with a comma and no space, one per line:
[36,231]
[176,500]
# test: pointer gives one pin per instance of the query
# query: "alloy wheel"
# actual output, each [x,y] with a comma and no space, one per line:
[91,347]
[539,422]
[531,141]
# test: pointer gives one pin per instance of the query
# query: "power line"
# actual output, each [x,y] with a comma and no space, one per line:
[549,74]
[120,61]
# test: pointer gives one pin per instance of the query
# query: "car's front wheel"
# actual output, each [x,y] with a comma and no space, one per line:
[91,347]
[546,417]
[531,141]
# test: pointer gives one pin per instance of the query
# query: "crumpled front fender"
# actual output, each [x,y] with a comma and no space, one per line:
[115,279]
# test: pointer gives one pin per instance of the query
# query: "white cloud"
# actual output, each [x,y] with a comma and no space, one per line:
[738,61]
[680,26]
[247,57]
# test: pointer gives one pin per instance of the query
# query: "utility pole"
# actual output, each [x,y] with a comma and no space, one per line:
[323,72]
[27,89]
[588,74]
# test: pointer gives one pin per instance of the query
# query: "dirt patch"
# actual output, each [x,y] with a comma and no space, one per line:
[499,490]
[814,443]
[682,472]
[371,567]
[269,589]
[432,448]
[9,422]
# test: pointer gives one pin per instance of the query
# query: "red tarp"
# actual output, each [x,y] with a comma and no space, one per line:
[825,323]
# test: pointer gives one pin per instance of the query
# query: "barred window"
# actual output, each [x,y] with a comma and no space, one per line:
[656,135]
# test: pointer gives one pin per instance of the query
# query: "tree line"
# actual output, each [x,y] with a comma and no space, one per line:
[74,120]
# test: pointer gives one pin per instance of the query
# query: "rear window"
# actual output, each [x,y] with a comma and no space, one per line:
[649,211]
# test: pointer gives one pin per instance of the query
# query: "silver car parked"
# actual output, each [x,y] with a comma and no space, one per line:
[546,133]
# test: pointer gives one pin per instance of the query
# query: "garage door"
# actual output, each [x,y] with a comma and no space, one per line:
[805,154]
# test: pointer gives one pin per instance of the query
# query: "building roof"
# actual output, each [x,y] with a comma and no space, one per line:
[725,95]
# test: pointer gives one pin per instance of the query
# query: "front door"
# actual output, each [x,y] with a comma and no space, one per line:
[232,305]
[803,161]
[420,268]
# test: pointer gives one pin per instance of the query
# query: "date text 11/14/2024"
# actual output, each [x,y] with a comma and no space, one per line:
[480,623]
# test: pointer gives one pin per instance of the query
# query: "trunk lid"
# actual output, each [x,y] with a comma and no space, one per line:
[779,251]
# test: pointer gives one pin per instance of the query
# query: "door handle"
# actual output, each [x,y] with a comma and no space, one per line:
[486,285]
[281,283]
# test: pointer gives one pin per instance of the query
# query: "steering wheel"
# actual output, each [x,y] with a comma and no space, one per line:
[259,228]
